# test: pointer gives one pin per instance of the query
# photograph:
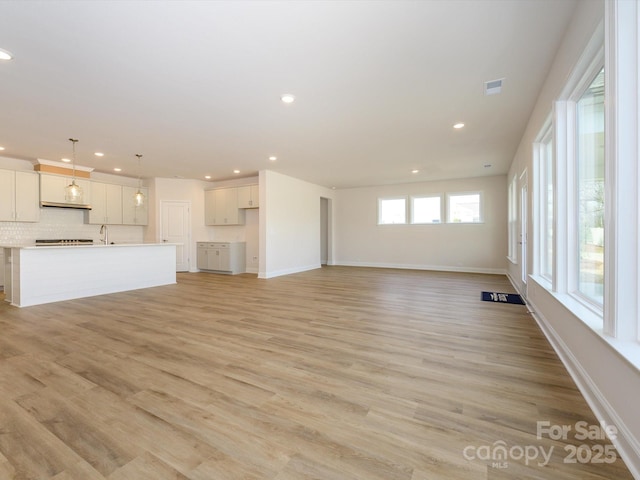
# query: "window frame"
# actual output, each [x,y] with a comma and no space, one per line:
[394,197]
[512,220]
[566,241]
[573,283]
[462,194]
[413,209]
[543,161]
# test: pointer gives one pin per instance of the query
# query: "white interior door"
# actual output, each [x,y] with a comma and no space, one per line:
[524,219]
[175,218]
[324,231]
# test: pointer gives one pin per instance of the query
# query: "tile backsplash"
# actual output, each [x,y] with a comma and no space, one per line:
[58,223]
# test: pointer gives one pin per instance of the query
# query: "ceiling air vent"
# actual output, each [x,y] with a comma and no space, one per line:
[493,87]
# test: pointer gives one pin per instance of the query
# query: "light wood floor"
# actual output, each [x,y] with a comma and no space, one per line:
[339,373]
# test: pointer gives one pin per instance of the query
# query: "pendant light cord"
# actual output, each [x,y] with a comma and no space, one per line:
[139,163]
[73,142]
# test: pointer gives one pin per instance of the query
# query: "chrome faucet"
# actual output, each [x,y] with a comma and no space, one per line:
[104,230]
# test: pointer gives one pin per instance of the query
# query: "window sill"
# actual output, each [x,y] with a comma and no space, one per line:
[591,318]
[544,283]
[629,350]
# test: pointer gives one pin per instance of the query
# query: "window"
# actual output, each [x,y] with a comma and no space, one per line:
[595,224]
[589,172]
[513,220]
[543,156]
[464,208]
[392,210]
[426,209]
[579,166]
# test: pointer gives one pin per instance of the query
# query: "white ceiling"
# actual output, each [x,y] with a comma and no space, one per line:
[195,86]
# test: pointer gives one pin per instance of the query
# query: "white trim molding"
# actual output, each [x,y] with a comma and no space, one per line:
[622,266]
[576,344]
[435,268]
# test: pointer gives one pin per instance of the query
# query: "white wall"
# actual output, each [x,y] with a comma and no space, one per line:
[457,247]
[15,164]
[177,189]
[610,384]
[289,224]
[586,18]
[173,189]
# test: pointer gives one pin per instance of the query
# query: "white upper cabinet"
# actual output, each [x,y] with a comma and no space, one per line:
[209,207]
[248,196]
[27,197]
[221,207]
[19,196]
[132,214]
[106,204]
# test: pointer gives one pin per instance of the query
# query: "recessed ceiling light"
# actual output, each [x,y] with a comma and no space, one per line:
[1,148]
[458,125]
[287,98]
[4,55]
[117,169]
[99,154]
[273,159]
[415,171]
[66,160]
[236,171]
[208,177]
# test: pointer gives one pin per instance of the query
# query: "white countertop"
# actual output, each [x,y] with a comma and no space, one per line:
[95,245]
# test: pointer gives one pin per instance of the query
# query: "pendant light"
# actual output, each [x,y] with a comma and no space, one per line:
[73,191]
[138,198]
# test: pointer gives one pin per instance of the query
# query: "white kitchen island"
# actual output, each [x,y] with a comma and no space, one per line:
[36,275]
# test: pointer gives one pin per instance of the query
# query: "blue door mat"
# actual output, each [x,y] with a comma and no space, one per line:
[502,298]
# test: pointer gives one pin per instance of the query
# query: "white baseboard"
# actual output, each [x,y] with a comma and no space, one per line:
[438,268]
[514,284]
[288,271]
[625,442]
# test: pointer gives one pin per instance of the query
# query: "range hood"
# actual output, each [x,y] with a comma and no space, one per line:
[54,178]
[78,206]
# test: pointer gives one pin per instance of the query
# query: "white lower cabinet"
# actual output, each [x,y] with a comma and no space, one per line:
[224,257]
[2,267]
